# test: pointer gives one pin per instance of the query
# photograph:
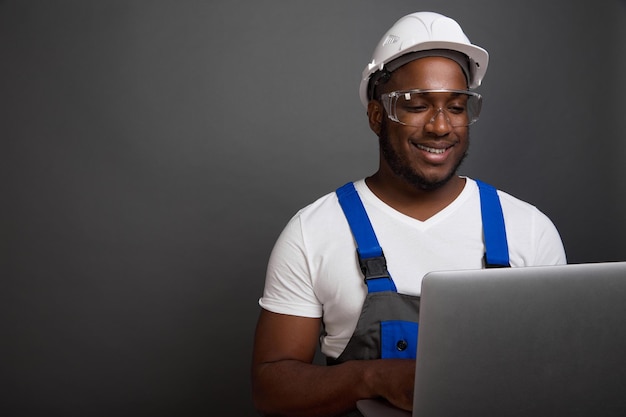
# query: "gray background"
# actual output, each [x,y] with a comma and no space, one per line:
[153,150]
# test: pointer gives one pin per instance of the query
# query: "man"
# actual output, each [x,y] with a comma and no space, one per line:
[415,207]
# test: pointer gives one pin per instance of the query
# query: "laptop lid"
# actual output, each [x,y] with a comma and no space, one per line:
[534,341]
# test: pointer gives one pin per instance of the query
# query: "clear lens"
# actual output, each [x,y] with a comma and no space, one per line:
[420,107]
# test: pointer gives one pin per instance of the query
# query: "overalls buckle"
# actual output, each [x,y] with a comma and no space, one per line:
[373,267]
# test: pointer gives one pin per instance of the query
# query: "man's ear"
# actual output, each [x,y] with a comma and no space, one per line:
[375,115]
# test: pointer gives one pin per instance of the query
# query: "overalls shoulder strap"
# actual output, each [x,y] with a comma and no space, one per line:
[370,254]
[494,231]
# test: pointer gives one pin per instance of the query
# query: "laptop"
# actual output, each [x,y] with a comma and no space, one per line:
[533,341]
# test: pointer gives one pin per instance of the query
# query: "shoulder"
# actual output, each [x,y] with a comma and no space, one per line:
[314,227]
[324,213]
[324,205]
[511,205]
[518,209]
[307,266]
[533,237]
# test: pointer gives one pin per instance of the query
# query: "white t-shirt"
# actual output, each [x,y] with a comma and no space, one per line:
[313,269]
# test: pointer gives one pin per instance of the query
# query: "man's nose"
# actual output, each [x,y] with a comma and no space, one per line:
[439,124]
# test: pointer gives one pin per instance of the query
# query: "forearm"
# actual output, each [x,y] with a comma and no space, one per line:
[294,388]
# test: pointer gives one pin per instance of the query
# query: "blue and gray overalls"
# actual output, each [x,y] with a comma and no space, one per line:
[388,324]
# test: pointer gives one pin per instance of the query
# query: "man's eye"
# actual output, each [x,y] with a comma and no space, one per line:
[456,109]
[415,108]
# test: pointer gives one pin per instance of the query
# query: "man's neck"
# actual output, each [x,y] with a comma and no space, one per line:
[421,204]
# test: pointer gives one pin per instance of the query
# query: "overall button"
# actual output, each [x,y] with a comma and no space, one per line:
[401,345]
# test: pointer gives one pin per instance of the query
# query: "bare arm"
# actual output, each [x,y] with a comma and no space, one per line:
[286,383]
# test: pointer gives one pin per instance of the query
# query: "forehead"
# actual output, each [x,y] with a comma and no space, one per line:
[428,73]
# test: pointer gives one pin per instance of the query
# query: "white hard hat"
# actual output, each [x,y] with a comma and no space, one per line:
[423,31]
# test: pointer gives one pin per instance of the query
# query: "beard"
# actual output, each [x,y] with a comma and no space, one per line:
[403,169]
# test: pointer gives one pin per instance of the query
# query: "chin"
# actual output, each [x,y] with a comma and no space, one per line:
[427,182]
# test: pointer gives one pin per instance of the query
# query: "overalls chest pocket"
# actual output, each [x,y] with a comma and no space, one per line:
[398,339]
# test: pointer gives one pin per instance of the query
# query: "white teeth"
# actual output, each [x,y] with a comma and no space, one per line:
[431,150]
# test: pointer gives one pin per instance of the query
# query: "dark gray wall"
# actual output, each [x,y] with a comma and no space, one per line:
[153,150]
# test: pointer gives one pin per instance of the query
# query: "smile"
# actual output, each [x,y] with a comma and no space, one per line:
[431,150]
